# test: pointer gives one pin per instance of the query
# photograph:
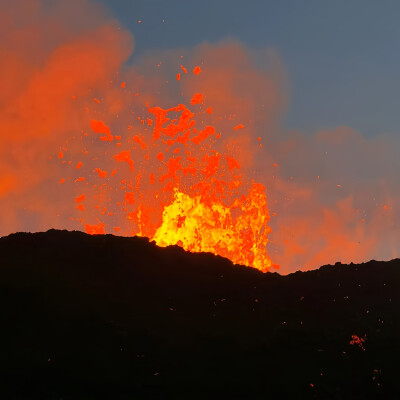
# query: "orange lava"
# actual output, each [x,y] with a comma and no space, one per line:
[125,156]
[358,341]
[101,127]
[196,99]
[183,186]
[97,229]
[101,173]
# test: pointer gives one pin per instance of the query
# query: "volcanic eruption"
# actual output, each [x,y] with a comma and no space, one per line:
[178,164]
[176,181]
[182,146]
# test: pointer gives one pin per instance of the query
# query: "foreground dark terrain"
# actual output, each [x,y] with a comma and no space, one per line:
[93,317]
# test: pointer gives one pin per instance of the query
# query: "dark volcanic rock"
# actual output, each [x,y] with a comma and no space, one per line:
[92,317]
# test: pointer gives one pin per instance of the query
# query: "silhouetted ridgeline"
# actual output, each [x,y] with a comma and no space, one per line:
[92,317]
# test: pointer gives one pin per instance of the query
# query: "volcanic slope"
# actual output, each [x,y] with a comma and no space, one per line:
[93,317]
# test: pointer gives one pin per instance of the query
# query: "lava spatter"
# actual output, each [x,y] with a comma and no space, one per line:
[180,186]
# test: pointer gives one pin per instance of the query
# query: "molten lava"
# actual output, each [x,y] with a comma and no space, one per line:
[198,225]
[178,185]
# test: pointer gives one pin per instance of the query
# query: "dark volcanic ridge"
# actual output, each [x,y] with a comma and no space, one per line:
[89,317]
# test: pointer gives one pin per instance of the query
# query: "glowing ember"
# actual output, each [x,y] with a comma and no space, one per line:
[180,186]
[358,341]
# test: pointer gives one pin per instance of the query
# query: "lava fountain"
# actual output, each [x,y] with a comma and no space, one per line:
[175,181]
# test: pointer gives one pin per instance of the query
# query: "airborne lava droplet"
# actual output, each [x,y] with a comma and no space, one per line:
[125,156]
[97,229]
[101,127]
[196,99]
[101,173]
[80,198]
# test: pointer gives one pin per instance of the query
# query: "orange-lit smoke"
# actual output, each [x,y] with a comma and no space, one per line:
[70,106]
[52,58]
[336,197]
[333,195]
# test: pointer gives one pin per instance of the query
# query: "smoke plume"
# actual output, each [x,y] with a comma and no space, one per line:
[333,195]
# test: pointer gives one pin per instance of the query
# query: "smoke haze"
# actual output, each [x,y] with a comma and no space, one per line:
[333,195]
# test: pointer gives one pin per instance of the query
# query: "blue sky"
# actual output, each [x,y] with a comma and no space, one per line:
[342,57]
